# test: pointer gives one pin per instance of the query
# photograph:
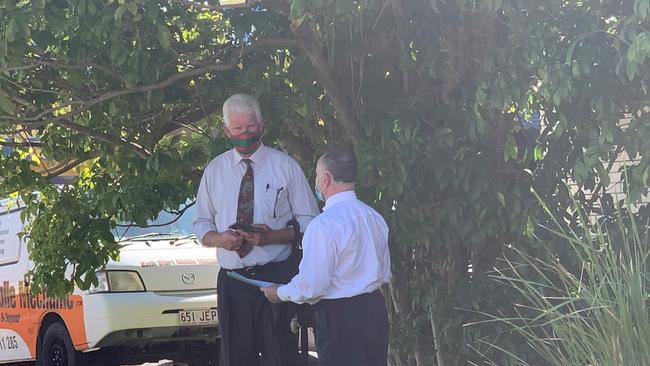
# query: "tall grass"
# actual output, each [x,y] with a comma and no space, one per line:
[594,314]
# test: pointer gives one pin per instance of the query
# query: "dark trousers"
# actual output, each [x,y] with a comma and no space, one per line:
[352,331]
[255,332]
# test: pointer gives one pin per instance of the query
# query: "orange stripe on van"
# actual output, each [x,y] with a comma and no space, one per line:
[24,312]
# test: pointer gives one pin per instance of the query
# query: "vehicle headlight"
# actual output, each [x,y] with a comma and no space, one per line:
[118,281]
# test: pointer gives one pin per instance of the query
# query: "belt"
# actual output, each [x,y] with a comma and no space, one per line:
[249,271]
[324,303]
[255,270]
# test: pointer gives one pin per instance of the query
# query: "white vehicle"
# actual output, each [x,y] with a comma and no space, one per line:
[158,301]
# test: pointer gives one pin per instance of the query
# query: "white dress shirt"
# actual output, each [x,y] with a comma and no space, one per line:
[281,193]
[345,253]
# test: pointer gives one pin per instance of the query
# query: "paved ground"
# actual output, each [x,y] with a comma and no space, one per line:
[171,363]
[310,337]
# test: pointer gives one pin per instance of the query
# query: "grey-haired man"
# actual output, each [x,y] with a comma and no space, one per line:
[252,185]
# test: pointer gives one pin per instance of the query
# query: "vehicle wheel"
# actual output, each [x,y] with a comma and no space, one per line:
[203,354]
[205,361]
[57,348]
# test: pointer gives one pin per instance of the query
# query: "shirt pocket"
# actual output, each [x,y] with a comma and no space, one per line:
[276,200]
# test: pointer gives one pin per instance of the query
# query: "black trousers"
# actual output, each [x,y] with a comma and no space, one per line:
[255,332]
[352,331]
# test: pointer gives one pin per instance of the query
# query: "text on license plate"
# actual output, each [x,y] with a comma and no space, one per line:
[197,317]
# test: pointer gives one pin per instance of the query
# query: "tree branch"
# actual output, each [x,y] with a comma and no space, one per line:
[284,42]
[205,6]
[297,146]
[174,123]
[202,6]
[20,144]
[58,170]
[65,120]
[54,64]
[112,73]
[279,7]
[24,67]
[600,186]
[102,136]
[177,213]
[344,110]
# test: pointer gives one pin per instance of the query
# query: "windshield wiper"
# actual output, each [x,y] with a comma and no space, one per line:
[142,236]
[173,242]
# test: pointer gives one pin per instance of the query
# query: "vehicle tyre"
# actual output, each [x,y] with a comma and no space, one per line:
[57,348]
[202,354]
[213,360]
[204,362]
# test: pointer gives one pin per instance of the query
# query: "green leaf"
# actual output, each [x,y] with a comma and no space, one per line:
[297,9]
[575,70]
[297,22]
[641,8]
[133,8]
[510,151]
[631,71]
[501,199]
[603,174]
[646,175]
[119,12]
[538,153]
[81,7]
[163,36]
[569,53]
[443,131]
[302,110]
[530,227]
[12,30]
[5,103]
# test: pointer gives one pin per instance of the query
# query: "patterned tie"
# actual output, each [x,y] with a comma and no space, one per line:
[245,204]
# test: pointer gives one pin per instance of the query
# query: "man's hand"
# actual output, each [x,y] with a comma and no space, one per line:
[230,240]
[269,236]
[271,293]
[263,238]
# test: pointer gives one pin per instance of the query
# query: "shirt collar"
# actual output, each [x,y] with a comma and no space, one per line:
[258,156]
[339,197]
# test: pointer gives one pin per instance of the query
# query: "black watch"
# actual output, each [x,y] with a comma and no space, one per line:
[296,232]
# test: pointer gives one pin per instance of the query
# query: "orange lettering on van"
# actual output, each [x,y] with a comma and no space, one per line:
[24,312]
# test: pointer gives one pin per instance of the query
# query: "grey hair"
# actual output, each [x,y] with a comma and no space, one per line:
[341,162]
[242,103]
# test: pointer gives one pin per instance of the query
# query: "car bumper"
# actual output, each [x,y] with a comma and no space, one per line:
[144,318]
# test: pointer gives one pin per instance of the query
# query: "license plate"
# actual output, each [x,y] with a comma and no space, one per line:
[197,317]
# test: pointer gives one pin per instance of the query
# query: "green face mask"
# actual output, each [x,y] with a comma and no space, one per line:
[246,143]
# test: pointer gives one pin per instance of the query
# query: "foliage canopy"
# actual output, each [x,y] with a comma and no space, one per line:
[431,94]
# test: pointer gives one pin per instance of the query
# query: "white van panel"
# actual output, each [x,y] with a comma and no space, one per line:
[12,346]
[10,226]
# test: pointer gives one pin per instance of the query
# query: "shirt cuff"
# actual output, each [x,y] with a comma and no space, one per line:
[282,293]
[201,230]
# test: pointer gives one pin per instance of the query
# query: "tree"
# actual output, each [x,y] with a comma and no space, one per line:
[429,92]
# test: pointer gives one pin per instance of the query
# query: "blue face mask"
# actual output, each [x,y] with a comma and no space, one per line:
[319,195]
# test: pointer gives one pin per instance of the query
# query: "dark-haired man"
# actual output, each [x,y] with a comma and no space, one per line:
[345,262]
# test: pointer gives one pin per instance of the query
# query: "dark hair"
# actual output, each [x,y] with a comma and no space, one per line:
[341,163]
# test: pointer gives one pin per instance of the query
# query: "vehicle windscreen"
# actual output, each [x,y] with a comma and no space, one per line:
[167,225]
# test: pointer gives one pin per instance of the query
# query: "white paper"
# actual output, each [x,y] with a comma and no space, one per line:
[247,280]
